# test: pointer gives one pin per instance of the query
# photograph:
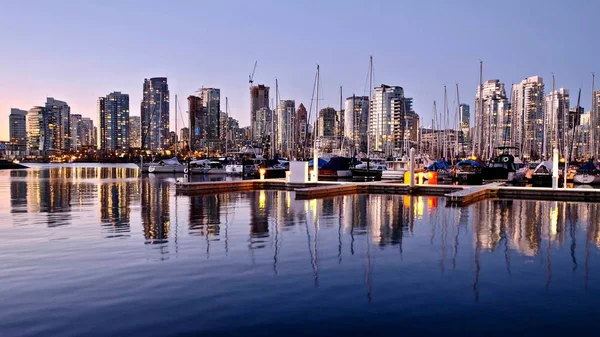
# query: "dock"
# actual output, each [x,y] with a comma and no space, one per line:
[473,194]
[314,190]
[456,195]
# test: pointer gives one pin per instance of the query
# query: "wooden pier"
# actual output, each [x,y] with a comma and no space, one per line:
[314,190]
[473,194]
[455,195]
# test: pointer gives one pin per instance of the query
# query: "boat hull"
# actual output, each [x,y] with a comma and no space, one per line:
[544,180]
[8,165]
[587,179]
[393,174]
[166,169]
[469,178]
[325,174]
[234,169]
[366,174]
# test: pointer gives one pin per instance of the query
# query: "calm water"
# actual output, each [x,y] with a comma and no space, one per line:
[98,251]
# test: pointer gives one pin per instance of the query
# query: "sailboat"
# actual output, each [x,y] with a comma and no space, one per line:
[368,172]
[168,165]
[231,168]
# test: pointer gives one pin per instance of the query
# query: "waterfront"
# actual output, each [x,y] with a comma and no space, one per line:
[100,251]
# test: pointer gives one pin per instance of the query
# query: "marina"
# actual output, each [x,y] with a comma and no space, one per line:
[225,257]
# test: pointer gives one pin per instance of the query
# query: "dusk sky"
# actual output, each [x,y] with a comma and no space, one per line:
[77,51]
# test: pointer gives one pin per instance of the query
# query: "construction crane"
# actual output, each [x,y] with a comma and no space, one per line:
[251,77]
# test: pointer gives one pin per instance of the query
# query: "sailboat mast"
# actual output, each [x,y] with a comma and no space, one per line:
[369,108]
[273,115]
[436,134]
[226,125]
[445,141]
[554,118]
[479,123]
[593,123]
[342,122]
[459,121]
[176,145]
[315,150]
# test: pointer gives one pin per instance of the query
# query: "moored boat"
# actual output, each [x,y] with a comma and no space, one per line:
[9,165]
[395,169]
[368,170]
[587,174]
[469,172]
[167,166]
[234,169]
[443,169]
[542,175]
[336,167]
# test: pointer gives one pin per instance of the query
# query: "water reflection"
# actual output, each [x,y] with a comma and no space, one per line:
[155,210]
[272,227]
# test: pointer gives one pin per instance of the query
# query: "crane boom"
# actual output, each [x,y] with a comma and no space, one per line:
[251,77]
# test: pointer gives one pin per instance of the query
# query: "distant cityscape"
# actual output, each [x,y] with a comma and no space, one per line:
[530,121]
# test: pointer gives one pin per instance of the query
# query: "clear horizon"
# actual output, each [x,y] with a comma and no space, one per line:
[77,52]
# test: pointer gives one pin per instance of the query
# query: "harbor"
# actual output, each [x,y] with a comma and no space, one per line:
[105,234]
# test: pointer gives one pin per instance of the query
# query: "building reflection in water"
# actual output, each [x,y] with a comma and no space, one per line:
[155,209]
[49,192]
[115,197]
[57,193]
[18,191]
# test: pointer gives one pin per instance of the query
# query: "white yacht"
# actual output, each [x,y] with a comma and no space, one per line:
[167,166]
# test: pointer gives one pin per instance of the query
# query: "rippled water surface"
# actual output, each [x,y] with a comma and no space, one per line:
[98,251]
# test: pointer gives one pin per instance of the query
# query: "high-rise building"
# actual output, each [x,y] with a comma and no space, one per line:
[556,108]
[60,125]
[89,135]
[76,131]
[155,114]
[173,140]
[339,123]
[527,117]
[355,123]
[184,134]
[327,122]
[464,113]
[95,136]
[465,116]
[113,118]
[263,125]
[259,99]
[574,118]
[197,122]
[211,103]
[301,130]
[39,132]
[286,116]
[386,127]
[408,104]
[17,129]
[135,132]
[412,124]
[492,122]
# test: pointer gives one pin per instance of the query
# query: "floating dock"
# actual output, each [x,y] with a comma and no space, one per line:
[456,195]
[312,190]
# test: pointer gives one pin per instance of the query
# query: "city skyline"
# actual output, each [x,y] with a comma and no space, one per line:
[78,72]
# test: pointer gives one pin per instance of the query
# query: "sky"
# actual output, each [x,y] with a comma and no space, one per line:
[77,51]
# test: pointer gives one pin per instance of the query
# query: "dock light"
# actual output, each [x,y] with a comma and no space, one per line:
[562,160]
[262,172]
[474,158]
